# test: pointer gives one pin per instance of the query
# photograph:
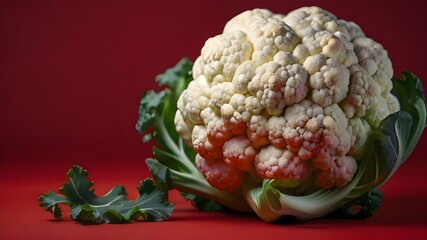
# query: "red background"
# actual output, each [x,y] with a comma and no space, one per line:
[71,74]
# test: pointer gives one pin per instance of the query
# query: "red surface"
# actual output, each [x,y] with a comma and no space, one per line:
[71,73]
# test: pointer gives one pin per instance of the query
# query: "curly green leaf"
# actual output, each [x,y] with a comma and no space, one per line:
[88,208]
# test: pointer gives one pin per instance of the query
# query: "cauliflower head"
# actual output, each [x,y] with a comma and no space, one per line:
[285,97]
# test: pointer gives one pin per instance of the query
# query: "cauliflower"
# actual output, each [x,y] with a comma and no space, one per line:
[250,70]
[294,107]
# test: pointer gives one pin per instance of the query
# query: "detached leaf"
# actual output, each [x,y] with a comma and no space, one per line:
[87,208]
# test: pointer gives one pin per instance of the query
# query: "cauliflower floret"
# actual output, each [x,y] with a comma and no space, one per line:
[233,120]
[316,133]
[353,29]
[244,74]
[221,93]
[183,128]
[276,127]
[366,99]
[338,124]
[301,53]
[339,174]
[194,99]
[238,152]
[239,111]
[222,54]
[277,163]
[257,131]
[392,103]
[330,84]
[306,21]
[359,131]
[217,131]
[203,146]
[362,91]
[266,31]
[321,32]
[286,89]
[378,110]
[262,75]
[296,118]
[284,58]
[313,63]
[219,175]
[341,48]
[246,105]
[332,46]
[277,86]
[374,58]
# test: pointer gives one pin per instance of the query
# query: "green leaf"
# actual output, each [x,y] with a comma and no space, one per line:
[113,207]
[150,101]
[173,77]
[204,204]
[159,172]
[360,208]
[270,204]
[410,93]
[382,154]
[79,190]
[161,106]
